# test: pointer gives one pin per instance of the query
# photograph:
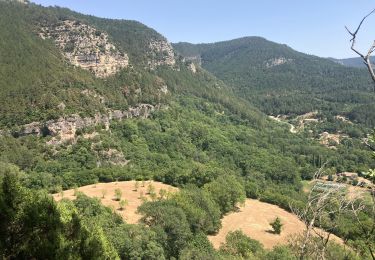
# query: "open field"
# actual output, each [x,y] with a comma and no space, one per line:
[128,193]
[254,218]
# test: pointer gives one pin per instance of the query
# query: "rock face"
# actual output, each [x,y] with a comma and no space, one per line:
[277,61]
[193,68]
[86,47]
[194,59]
[64,129]
[161,53]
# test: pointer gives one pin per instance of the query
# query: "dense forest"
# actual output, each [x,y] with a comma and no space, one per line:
[280,80]
[210,136]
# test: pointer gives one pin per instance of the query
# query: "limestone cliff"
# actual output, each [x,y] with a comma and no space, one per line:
[86,47]
[160,53]
[277,61]
[65,128]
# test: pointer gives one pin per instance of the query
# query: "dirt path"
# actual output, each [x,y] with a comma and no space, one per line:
[292,128]
[254,218]
[127,187]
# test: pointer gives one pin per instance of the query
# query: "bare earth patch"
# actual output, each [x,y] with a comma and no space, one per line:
[129,214]
[254,218]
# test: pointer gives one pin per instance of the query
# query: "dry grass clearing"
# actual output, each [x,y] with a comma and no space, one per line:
[254,218]
[128,193]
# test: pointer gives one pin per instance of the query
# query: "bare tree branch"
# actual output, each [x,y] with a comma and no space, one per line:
[368,231]
[320,214]
[366,58]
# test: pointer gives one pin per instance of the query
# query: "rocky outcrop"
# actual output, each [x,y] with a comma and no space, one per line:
[86,47]
[113,157]
[92,94]
[192,67]
[161,53]
[64,129]
[277,61]
[194,59]
[164,89]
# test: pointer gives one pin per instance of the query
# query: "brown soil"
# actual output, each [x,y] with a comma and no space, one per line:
[254,218]
[129,214]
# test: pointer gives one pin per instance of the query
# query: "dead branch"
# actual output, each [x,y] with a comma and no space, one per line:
[318,209]
[367,230]
[366,57]
[320,216]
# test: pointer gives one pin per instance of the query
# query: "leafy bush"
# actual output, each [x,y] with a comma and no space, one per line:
[276,225]
[238,244]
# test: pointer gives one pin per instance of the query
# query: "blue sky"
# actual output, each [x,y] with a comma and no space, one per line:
[311,26]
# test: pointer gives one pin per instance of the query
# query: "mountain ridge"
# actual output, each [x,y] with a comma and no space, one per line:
[355,62]
[262,71]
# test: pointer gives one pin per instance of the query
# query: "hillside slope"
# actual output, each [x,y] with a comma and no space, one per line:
[60,98]
[86,100]
[72,65]
[356,62]
[280,80]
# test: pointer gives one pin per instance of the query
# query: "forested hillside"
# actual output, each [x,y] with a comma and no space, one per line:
[280,80]
[352,62]
[86,100]
[29,62]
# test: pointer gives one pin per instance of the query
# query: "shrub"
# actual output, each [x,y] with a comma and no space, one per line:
[104,192]
[150,189]
[136,186]
[118,194]
[123,204]
[227,192]
[276,225]
[240,245]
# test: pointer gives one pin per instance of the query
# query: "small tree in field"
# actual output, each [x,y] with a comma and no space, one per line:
[143,198]
[150,189]
[118,194]
[162,194]
[123,204]
[276,225]
[153,196]
[136,186]
[141,194]
[104,193]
